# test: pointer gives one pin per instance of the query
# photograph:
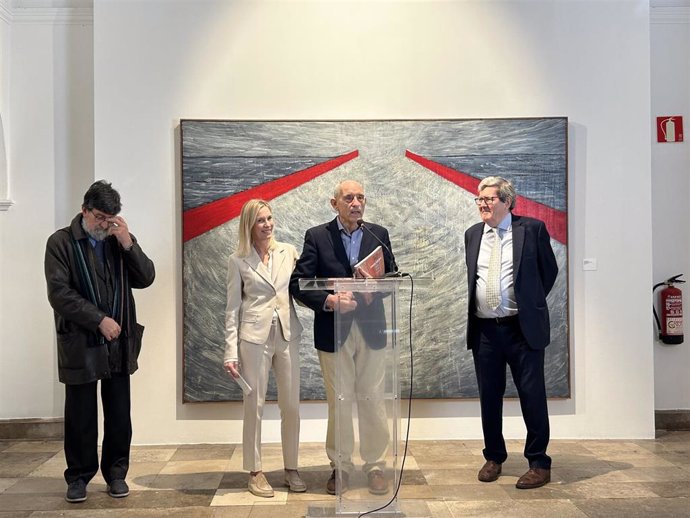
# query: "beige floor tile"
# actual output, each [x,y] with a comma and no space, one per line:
[151,455]
[6,483]
[38,485]
[511,508]
[601,472]
[21,464]
[655,474]
[635,508]
[195,466]
[234,511]
[439,510]
[611,479]
[35,446]
[611,448]
[444,477]
[450,461]
[53,467]
[205,452]
[141,475]
[589,489]
[233,497]
[475,491]
[669,489]
[187,481]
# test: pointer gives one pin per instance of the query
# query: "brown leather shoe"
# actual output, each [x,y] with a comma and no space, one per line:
[489,472]
[378,485]
[344,479]
[535,477]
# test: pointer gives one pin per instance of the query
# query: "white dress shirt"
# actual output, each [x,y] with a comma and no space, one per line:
[508,306]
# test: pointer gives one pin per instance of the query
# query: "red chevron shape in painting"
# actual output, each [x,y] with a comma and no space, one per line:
[555,220]
[201,219]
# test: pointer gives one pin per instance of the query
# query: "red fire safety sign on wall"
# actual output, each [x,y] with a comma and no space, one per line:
[669,128]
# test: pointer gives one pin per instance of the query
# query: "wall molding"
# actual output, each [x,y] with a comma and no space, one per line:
[669,15]
[38,429]
[672,420]
[53,15]
[5,12]
[53,428]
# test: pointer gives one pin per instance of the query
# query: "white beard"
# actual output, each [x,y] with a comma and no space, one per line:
[97,233]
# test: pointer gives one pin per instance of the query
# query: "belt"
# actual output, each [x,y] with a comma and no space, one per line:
[501,321]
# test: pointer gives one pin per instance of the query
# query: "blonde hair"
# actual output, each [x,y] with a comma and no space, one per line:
[248,217]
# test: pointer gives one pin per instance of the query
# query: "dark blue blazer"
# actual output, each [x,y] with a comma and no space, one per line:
[534,273]
[324,256]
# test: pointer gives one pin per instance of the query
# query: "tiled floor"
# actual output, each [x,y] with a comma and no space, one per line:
[629,479]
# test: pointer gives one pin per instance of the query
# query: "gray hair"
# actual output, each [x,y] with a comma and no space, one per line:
[506,191]
[339,188]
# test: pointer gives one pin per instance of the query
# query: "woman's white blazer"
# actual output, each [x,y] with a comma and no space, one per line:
[254,295]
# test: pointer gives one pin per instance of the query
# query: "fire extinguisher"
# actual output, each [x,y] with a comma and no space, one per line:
[671,306]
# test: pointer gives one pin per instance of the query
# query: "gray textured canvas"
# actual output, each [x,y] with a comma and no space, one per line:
[425,214]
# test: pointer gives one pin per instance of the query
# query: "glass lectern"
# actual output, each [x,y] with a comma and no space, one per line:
[368,442]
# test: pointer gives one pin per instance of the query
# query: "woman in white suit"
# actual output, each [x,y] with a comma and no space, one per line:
[262,331]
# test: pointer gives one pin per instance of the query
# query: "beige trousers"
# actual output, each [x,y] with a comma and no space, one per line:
[256,362]
[362,372]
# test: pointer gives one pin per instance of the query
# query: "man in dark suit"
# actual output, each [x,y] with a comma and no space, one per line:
[511,268]
[331,250]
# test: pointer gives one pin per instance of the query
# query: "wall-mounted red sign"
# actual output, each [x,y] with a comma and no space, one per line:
[669,128]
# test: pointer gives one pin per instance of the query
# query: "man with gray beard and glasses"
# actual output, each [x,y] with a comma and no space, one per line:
[91,267]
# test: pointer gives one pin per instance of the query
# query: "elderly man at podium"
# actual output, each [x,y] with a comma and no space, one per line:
[331,250]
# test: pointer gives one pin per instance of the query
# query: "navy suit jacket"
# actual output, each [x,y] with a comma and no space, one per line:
[534,273]
[324,256]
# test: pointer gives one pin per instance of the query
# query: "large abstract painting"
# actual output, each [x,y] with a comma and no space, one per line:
[420,178]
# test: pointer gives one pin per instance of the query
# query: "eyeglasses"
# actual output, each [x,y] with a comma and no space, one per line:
[349,198]
[489,200]
[99,217]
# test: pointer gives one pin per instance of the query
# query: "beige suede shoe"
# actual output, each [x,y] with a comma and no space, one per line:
[259,486]
[294,481]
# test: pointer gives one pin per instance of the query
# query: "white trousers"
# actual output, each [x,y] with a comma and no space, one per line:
[255,363]
[362,372]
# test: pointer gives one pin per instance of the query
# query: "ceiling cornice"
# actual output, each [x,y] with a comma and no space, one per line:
[659,14]
[669,14]
[53,15]
[5,11]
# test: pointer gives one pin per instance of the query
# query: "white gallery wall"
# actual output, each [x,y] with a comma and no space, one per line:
[670,40]
[156,62]
[47,112]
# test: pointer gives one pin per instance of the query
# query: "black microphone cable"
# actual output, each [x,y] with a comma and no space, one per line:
[409,409]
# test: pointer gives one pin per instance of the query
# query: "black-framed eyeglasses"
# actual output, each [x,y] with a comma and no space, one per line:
[489,200]
[349,198]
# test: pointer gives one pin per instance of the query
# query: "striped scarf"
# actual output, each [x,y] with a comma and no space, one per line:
[120,302]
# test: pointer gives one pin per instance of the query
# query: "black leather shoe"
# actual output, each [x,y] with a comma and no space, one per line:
[489,472]
[535,477]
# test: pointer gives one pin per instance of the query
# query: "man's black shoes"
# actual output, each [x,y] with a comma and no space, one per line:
[118,488]
[76,491]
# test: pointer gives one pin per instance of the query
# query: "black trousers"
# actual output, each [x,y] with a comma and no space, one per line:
[81,429]
[501,345]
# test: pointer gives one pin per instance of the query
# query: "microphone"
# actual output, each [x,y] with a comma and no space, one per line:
[395,272]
